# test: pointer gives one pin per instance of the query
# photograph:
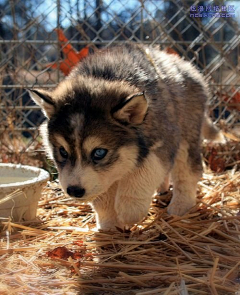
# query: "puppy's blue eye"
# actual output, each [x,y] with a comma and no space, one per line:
[63,152]
[98,154]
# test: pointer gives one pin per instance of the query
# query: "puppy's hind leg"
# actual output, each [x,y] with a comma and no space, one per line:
[185,175]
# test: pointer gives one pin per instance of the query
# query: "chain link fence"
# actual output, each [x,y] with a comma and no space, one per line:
[32,54]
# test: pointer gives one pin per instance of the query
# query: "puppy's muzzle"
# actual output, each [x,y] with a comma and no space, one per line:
[76,191]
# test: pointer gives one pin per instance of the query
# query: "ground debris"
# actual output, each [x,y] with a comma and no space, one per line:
[61,252]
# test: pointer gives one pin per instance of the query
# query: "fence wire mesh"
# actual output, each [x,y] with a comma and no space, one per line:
[207,35]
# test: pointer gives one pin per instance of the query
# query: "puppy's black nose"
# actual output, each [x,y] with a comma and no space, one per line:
[75,191]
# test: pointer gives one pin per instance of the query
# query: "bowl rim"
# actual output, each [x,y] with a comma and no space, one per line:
[42,176]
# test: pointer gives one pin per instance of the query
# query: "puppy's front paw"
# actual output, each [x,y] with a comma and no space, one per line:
[130,218]
[107,221]
[180,208]
[129,213]
[109,226]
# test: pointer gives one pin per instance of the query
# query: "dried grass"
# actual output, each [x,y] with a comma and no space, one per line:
[61,253]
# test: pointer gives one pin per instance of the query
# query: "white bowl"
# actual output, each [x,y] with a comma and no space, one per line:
[28,182]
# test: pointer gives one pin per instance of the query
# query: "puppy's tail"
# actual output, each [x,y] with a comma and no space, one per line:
[211,132]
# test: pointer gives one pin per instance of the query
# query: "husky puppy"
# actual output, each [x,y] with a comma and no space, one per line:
[124,120]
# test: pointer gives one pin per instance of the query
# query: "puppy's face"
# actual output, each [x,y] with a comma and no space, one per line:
[91,133]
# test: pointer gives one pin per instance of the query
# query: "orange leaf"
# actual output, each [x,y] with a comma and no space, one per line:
[171,51]
[66,66]
[72,57]
[60,253]
[216,163]
[63,253]
[235,99]
[67,48]
[83,53]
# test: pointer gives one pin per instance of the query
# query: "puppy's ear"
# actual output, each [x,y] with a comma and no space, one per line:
[44,100]
[132,110]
